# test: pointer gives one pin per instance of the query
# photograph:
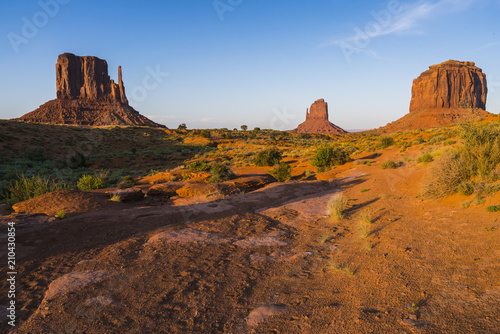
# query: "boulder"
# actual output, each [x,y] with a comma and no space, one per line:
[317,120]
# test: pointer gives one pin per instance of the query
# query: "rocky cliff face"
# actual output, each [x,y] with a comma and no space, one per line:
[452,84]
[87,96]
[317,120]
[447,93]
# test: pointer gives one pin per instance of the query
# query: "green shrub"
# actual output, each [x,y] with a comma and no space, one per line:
[60,214]
[493,208]
[25,188]
[327,156]
[89,182]
[36,154]
[205,134]
[269,157]
[126,182]
[198,166]
[220,172]
[425,158]
[77,160]
[282,172]
[389,164]
[386,141]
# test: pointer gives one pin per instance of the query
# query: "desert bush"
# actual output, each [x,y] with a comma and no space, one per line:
[449,142]
[327,156]
[205,134]
[198,166]
[268,157]
[25,188]
[337,206]
[60,214]
[89,182]
[389,164]
[77,160]
[220,172]
[126,182]
[466,188]
[282,172]
[477,159]
[386,141]
[493,208]
[36,154]
[451,170]
[425,158]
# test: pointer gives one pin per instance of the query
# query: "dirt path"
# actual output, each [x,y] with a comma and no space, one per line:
[270,261]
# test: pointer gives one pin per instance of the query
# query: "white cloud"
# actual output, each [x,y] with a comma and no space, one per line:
[407,19]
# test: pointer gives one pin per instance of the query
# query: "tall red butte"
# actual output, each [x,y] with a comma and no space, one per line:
[447,93]
[317,120]
[87,96]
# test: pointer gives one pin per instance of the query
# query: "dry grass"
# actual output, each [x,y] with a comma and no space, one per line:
[337,206]
[365,224]
[115,198]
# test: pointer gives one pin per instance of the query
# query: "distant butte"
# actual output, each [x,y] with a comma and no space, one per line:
[87,96]
[447,93]
[317,120]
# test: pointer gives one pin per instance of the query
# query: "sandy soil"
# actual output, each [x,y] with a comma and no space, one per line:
[269,261]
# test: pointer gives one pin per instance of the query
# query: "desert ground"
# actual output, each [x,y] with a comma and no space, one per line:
[163,246]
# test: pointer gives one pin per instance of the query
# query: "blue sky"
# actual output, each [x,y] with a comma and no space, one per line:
[255,62]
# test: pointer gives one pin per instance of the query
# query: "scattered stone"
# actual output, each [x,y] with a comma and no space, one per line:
[317,120]
[127,195]
[259,315]
[74,281]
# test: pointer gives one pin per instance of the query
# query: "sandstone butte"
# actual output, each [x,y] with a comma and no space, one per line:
[87,96]
[317,120]
[447,93]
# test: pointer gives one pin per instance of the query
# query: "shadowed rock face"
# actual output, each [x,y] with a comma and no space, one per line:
[452,84]
[317,120]
[87,96]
